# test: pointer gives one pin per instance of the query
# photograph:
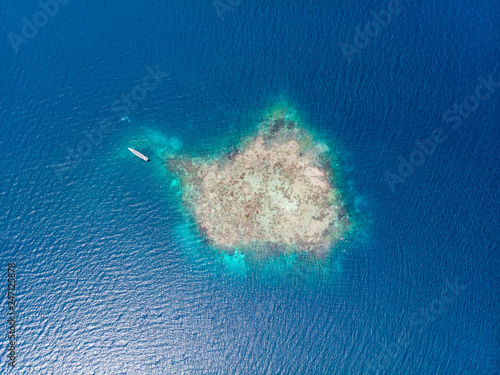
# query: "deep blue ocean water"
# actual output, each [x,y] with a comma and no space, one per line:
[111,278]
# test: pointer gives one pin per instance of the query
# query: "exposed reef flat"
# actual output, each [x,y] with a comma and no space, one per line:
[274,193]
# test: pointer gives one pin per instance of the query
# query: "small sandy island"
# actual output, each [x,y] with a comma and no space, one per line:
[275,192]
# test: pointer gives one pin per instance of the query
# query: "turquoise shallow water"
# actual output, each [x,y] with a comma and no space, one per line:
[111,277]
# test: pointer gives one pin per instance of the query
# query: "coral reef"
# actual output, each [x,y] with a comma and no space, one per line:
[275,192]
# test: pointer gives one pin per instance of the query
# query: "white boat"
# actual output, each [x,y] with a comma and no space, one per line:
[137,153]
